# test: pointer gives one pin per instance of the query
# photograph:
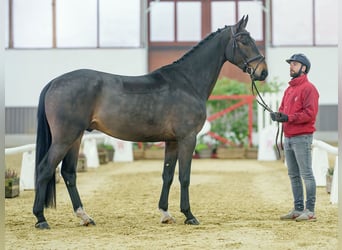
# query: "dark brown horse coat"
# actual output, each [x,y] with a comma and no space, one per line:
[168,105]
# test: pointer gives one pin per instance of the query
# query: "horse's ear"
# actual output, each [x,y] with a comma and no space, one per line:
[242,23]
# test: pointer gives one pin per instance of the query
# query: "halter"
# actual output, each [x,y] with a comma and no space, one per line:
[250,70]
[246,65]
[247,68]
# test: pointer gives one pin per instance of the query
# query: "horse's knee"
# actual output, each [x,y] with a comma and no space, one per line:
[69,179]
[168,179]
[168,173]
[184,182]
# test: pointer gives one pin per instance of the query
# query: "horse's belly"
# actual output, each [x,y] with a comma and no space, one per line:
[152,118]
[137,130]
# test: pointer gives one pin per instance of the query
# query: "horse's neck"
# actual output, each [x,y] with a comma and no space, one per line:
[202,66]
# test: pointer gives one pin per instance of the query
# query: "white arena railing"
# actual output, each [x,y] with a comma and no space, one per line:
[123,153]
[320,165]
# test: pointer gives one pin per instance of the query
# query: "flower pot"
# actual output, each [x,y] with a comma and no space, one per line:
[103,156]
[231,153]
[138,154]
[12,187]
[82,163]
[204,153]
[154,154]
[251,153]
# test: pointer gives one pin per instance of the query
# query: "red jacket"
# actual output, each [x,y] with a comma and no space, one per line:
[300,103]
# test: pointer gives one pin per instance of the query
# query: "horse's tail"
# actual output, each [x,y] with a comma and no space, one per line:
[43,143]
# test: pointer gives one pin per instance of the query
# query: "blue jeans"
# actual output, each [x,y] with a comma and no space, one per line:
[298,158]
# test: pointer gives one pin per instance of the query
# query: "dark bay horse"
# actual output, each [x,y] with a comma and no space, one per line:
[168,104]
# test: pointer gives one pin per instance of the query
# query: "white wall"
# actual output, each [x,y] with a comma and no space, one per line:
[323,73]
[28,71]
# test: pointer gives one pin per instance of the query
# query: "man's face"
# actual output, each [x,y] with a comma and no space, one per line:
[295,67]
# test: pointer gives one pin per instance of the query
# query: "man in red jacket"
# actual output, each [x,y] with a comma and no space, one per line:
[297,112]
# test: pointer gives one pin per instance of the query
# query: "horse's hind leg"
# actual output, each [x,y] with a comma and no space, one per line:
[45,191]
[68,171]
[45,177]
[171,151]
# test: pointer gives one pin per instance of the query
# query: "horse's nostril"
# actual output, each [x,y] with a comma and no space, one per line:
[264,74]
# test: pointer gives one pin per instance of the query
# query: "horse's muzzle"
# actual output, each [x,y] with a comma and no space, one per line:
[260,76]
[264,74]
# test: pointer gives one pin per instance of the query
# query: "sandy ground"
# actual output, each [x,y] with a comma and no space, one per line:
[238,203]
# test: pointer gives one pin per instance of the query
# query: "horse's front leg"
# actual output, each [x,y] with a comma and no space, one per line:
[171,150]
[186,149]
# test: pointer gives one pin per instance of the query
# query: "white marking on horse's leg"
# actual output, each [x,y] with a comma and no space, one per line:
[85,219]
[166,217]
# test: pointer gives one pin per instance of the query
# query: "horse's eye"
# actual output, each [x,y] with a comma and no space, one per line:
[244,41]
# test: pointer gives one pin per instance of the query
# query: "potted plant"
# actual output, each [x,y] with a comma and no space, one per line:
[202,150]
[82,162]
[11,183]
[109,149]
[102,153]
[204,147]
[234,125]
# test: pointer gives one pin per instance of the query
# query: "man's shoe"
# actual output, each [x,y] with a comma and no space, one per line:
[307,215]
[292,215]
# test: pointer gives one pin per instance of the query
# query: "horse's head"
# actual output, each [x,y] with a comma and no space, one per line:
[243,52]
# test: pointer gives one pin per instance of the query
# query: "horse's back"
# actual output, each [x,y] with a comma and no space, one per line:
[84,77]
[83,96]
[126,84]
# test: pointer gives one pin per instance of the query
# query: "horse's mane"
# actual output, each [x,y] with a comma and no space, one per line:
[207,38]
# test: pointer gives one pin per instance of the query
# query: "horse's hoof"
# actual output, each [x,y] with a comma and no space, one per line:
[168,220]
[42,225]
[90,222]
[166,217]
[192,221]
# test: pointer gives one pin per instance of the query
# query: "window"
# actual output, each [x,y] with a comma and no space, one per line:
[76,23]
[162,21]
[119,24]
[326,22]
[305,22]
[169,21]
[32,24]
[73,23]
[222,13]
[189,13]
[184,23]
[6,19]
[254,9]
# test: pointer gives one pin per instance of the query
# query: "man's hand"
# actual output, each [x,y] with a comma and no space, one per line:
[279,117]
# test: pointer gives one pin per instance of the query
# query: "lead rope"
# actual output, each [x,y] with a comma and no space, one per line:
[262,103]
[254,87]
